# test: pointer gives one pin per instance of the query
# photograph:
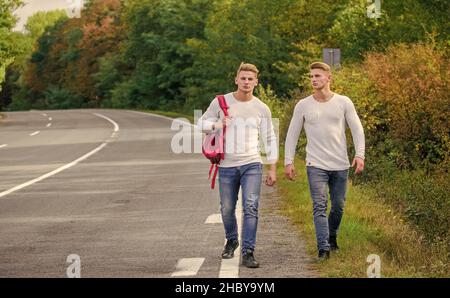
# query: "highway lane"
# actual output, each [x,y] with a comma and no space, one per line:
[132,209]
[26,156]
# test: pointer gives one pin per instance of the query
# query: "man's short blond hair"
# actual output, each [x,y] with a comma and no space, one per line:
[320,65]
[247,67]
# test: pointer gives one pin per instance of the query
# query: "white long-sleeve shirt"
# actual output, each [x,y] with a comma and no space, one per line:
[324,124]
[251,125]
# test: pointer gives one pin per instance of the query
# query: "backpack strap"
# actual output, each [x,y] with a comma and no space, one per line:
[224,107]
[213,180]
[223,104]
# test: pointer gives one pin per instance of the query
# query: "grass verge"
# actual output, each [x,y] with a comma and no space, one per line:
[368,227]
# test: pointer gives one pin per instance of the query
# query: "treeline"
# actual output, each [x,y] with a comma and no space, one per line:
[168,54]
[178,54]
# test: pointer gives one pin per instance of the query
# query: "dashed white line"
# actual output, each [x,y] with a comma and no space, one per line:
[214,218]
[62,168]
[49,118]
[45,115]
[4,145]
[229,268]
[34,133]
[188,267]
[48,125]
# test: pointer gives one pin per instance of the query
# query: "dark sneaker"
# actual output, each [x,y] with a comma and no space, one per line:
[248,260]
[324,254]
[230,247]
[333,243]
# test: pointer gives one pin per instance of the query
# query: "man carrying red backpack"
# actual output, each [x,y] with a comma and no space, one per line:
[249,123]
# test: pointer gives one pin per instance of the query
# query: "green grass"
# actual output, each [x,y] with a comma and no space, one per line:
[368,227]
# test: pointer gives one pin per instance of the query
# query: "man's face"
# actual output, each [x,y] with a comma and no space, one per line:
[246,81]
[319,78]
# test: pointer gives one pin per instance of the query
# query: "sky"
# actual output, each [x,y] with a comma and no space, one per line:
[33,6]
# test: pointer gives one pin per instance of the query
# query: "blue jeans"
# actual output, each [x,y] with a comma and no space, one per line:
[230,180]
[319,181]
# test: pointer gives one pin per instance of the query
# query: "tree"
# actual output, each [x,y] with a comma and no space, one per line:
[38,22]
[67,55]
[263,32]
[156,50]
[24,44]
[400,21]
[7,21]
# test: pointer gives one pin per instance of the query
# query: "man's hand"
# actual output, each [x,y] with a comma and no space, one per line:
[271,176]
[359,164]
[289,170]
[226,121]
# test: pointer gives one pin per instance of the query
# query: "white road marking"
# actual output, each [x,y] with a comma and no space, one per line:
[34,133]
[229,268]
[45,115]
[214,218]
[48,125]
[113,135]
[188,266]
[49,118]
[116,126]
[162,117]
[152,115]
[4,145]
[62,168]
[45,176]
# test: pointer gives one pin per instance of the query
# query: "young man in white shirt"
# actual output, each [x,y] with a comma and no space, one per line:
[324,116]
[249,121]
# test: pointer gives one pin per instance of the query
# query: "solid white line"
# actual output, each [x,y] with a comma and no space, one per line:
[34,133]
[188,266]
[45,176]
[48,125]
[163,117]
[4,145]
[116,126]
[214,218]
[229,268]
[152,115]
[62,168]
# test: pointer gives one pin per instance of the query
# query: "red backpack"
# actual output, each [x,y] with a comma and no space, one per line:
[213,144]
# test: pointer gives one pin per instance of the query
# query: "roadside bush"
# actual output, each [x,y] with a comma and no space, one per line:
[413,82]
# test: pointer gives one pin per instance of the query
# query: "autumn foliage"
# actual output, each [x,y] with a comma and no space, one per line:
[413,81]
[68,54]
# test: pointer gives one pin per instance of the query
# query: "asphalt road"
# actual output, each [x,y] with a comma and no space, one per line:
[104,185]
